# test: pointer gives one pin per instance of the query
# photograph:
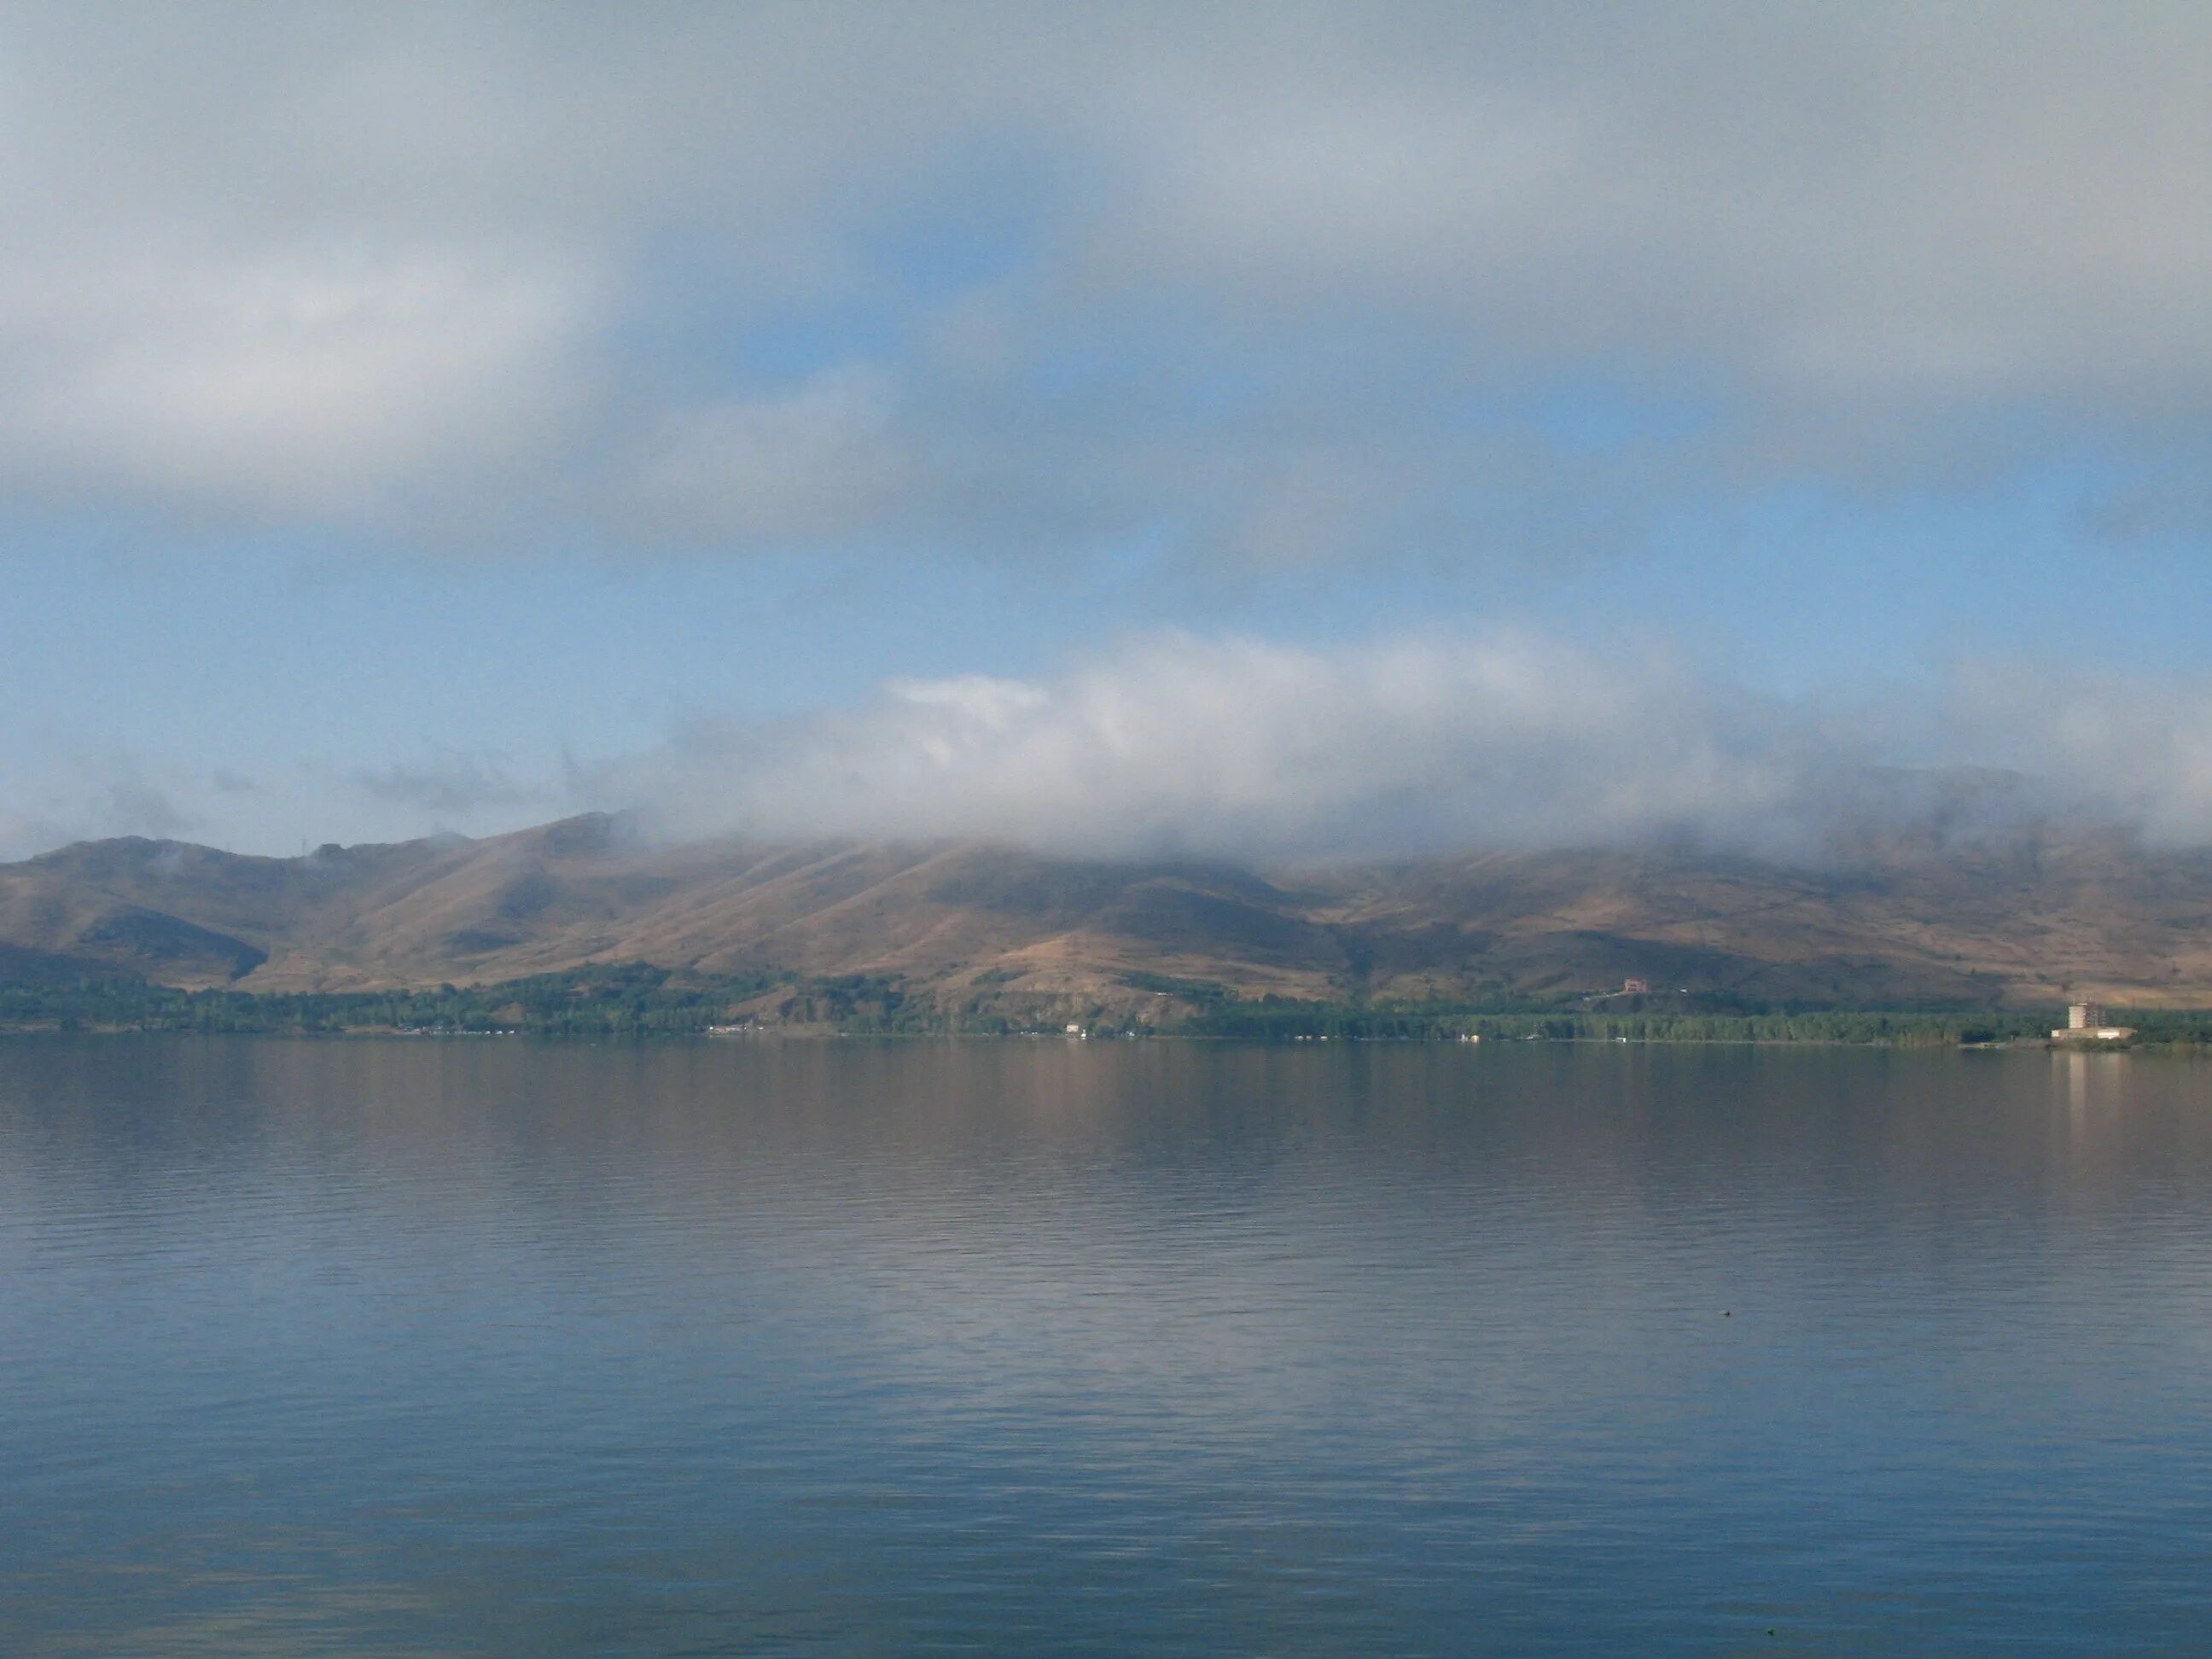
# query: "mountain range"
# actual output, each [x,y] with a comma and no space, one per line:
[2028,917]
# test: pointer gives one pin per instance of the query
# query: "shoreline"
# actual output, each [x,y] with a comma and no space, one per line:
[770,1034]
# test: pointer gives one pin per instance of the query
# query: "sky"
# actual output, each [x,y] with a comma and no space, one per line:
[1285,430]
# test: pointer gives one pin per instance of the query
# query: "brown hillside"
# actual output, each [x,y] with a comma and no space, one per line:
[2028,919]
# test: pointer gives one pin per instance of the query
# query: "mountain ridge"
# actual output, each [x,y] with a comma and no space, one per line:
[2029,917]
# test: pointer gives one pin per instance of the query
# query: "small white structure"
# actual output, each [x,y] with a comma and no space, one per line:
[2085,1022]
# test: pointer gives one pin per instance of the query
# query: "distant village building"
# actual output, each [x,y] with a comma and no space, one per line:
[2085,1022]
[1635,987]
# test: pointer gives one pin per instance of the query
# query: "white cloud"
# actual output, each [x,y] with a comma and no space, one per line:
[1241,748]
[307,379]
[1178,743]
[352,259]
[2140,748]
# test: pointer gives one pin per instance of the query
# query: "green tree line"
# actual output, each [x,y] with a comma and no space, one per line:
[638,1000]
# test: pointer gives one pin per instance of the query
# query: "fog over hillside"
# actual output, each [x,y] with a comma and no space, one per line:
[1238,748]
[1242,749]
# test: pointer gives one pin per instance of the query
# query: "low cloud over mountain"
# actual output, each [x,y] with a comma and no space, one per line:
[1175,744]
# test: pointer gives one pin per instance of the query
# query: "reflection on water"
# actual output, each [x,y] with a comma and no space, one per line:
[497,1348]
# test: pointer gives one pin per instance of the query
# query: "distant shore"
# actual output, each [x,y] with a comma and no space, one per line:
[636,1000]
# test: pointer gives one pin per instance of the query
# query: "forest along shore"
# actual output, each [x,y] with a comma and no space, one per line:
[638,1000]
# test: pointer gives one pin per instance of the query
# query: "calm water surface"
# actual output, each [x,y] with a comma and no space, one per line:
[492,1348]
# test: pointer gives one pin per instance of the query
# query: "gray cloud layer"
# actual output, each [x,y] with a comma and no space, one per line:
[438,265]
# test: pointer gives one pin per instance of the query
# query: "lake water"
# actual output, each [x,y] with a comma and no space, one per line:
[496,1348]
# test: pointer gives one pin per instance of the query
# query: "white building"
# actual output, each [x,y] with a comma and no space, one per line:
[2085,1022]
